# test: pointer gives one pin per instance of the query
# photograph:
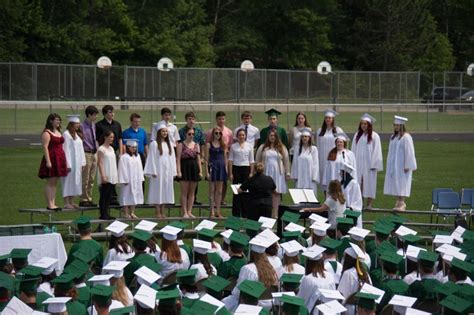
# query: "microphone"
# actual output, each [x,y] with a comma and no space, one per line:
[343,156]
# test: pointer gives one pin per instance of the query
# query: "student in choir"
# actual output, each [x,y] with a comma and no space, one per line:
[335,204]
[241,166]
[368,152]
[252,133]
[201,261]
[273,125]
[90,149]
[130,179]
[331,264]
[305,167]
[160,167]
[119,248]
[301,123]
[291,261]
[231,268]
[215,160]
[325,137]
[121,293]
[351,190]
[189,170]
[336,159]
[108,175]
[173,133]
[316,278]
[274,156]
[76,160]
[401,163]
[172,257]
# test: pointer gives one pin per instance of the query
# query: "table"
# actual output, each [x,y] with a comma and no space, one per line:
[42,245]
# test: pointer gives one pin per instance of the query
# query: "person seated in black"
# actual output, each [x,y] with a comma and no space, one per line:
[260,188]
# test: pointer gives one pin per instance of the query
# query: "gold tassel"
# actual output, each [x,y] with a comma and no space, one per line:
[358,268]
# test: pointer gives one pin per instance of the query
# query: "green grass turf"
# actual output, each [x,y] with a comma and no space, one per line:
[440,164]
[33,120]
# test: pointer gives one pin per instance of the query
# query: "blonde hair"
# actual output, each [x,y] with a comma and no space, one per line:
[335,191]
[266,272]
[120,293]
[259,168]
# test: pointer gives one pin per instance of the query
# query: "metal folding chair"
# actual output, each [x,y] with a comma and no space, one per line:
[448,201]
[434,199]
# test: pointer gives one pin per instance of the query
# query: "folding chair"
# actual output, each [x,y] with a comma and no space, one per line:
[448,201]
[466,197]
[434,199]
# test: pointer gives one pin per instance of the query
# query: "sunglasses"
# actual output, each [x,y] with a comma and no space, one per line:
[190,134]
[217,133]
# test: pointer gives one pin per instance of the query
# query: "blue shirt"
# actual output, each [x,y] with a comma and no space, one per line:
[198,135]
[139,135]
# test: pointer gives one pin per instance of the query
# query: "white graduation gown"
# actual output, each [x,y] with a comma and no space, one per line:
[113,255]
[168,267]
[411,277]
[335,274]
[161,169]
[353,197]
[275,261]
[201,271]
[325,144]
[247,272]
[369,162]
[333,168]
[349,285]
[305,168]
[401,155]
[130,179]
[75,159]
[310,285]
[297,269]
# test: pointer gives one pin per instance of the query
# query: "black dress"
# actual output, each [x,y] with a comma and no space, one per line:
[260,188]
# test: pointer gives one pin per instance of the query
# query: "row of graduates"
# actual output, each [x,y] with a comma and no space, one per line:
[255,272]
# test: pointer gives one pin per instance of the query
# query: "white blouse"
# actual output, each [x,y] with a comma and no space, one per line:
[241,156]
[110,165]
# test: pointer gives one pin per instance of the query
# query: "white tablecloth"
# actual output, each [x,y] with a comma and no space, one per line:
[42,245]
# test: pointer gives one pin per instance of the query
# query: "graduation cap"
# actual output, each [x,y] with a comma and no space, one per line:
[123,310]
[332,307]
[29,284]
[78,268]
[146,226]
[366,300]
[86,254]
[116,268]
[412,252]
[411,239]
[226,235]
[220,306]
[64,282]
[462,265]
[330,244]
[291,280]
[330,113]
[203,308]
[354,251]
[215,285]
[16,306]
[6,281]
[206,234]
[344,224]
[391,258]
[57,304]
[100,280]
[291,304]
[31,272]
[351,213]
[47,263]
[258,245]
[456,304]
[131,142]
[447,288]
[317,218]
[267,223]
[146,297]
[74,118]
[401,303]
[168,296]
[427,258]
[306,132]
[369,118]
[342,136]
[205,224]
[396,219]
[4,259]
[252,227]
[251,289]
[358,234]
[233,223]
[272,112]
[246,309]
[146,275]
[178,224]
[170,233]
[314,252]
[397,287]
[102,293]
[399,120]
[291,235]
[117,228]
[382,230]
[320,228]
[290,217]
[19,254]
[403,230]
[292,227]
[292,248]
[83,222]
[201,247]
[238,240]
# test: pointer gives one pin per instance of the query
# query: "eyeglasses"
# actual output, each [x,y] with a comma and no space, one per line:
[217,133]
[190,134]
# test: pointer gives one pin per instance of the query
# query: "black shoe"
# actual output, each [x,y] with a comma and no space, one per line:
[54,209]
[92,204]
[114,203]
[106,217]
[84,204]
[197,203]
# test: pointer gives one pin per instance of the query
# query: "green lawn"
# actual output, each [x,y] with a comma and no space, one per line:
[32,120]
[440,164]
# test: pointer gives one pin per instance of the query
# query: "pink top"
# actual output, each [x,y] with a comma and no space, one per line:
[188,153]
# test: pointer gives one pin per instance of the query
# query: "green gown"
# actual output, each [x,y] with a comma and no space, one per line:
[231,268]
[281,134]
[99,260]
[84,296]
[136,262]
[75,307]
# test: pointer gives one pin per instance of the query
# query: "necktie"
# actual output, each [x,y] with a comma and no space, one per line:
[93,136]
[246,130]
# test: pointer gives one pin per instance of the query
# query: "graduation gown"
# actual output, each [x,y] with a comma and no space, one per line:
[113,255]
[201,271]
[353,197]
[401,155]
[136,262]
[332,169]
[91,244]
[349,285]
[325,144]
[75,160]
[83,294]
[75,307]
[310,285]
[305,168]
[161,169]
[130,179]
[334,267]
[231,268]
[369,162]
[247,272]
[168,267]
[281,134]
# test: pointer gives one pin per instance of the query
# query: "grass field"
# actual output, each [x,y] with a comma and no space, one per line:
[440,164]
[32,120]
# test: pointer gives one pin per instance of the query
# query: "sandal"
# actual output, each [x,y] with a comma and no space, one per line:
[133,216]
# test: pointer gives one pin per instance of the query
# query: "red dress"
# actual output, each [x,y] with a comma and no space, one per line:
[57,157]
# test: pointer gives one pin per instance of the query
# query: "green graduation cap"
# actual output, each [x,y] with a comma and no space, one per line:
[291,304]
[345,221]
[251,289]
[411,239]
[83,222]
[207,235]
[468,235]
[215,285]
[385,246]
[238,239]
[366,300]
[178,224]
[427,258]
[397,220]
[65,281]
[186,276]
[447,288]
[330,244]
[168,296]
[31,271]
[29,285]
[102,293]
[290,217]
[86,254]
[77,268]
[143,260]
[141,235]
[291,280]
[352,214]
[272,112]
[456,304]
[390,257]
[4,259]
[20,253]
[397,286]
[6,281]
[233,223]
[382,230]
[291,235]
[252,225]
[203,308]
[462,265]
[123,310]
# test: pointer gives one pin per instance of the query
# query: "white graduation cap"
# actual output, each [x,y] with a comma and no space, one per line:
[16,306]
[368,288]
[115,268]
[47,263]
[330,113]
[369,118]
[201,247]
[213,301]
[358,234]
[74,118]
[401,302]
[101,279]
[317,218]
[399,120]
[146,226]
[226,235]
[306,132]
[355,251]
[413,252]
[57,304]
[314,252]
[449,257]
[403,230]
[159,125]
[414,311]
[117,228]
[258,245]
[267,223]
[205,224]
[246,309]
[333,307]
[443,239]
[131,142]
[346,167]
[319,228]
[293,227]
[447,249]
[458,233]
[170,233]
[331,294]
[146,276]
[146,297]
[292,248]
[268,236]
[342,136]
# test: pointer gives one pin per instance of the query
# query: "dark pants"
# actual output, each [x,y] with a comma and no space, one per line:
[241,174]
[257,211]
[106,194]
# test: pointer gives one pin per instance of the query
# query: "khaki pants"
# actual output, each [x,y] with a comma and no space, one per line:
[88,176]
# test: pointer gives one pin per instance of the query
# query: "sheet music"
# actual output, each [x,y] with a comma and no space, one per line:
[235,188]
[303,196]
[310,197]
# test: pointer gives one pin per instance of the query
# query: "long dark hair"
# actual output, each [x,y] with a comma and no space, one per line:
[360,132]
[400,133]
[50,120]
[324,127]
[350,262]
[277,144]
[333,153]
[120,244]
[105,135]
[160,140]
[73,131]
[310,143]
[305,119]
[129,152]
[204,260]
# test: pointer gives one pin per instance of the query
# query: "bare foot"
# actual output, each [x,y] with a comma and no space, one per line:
[186,216]
[133,216]
[219,216]
[75,206]
[66,207]
[191,215]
